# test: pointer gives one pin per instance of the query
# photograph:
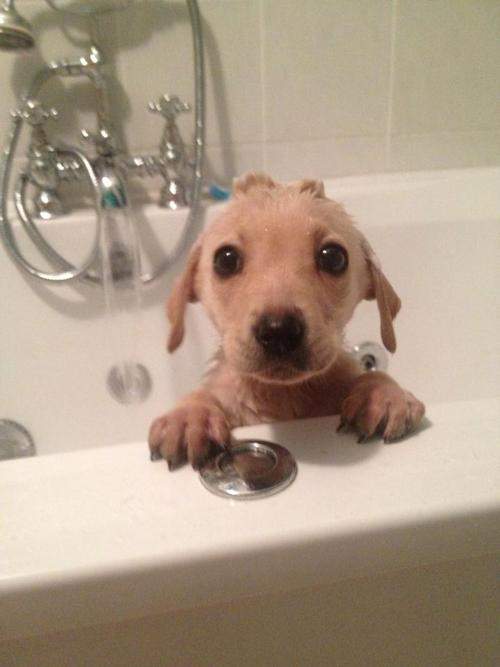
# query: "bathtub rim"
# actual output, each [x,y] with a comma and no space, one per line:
[116,588]
[341,186]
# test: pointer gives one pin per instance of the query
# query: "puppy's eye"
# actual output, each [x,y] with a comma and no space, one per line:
[332,258]
[227,261]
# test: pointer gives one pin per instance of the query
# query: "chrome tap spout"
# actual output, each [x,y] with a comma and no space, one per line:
[106,173]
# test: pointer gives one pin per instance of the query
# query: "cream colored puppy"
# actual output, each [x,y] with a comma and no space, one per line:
[280,273]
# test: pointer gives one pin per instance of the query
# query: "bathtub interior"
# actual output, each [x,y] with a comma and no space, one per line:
[436,235]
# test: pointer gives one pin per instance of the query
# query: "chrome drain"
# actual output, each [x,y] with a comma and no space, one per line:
[249,469]
[129,383]
[15,441]
[371,356]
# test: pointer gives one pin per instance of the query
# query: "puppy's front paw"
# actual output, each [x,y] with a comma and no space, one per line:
[377,404]
[192,431]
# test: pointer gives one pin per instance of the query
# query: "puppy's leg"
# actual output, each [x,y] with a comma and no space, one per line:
[377,404]
[192,430]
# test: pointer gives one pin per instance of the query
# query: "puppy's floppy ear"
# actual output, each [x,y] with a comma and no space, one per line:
[316,188]
[388,301]
[183,291]
[252,180]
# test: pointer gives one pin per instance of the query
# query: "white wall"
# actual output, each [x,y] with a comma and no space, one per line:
[321,87]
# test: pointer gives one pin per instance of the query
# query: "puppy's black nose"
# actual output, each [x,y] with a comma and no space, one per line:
[280,334]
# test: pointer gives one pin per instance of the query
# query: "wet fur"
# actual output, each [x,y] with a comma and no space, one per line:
[278,229]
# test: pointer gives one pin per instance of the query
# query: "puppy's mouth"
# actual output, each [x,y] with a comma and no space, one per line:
[282,371]
[287,371]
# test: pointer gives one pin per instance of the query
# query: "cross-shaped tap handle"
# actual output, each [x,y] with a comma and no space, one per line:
[34,113]
[169,106]
[103,140]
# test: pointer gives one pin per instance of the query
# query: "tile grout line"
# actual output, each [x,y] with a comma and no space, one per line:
[390,92]
[263,105]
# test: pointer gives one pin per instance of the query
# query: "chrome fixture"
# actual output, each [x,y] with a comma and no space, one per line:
[15,440]
[15,32]
[172,162]
[249,469]
[42,156]
[93,8]
[107,168]
[119,384]
[371,356]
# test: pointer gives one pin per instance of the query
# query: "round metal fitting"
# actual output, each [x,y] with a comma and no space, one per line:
[129,383]
[47,205]
[371,356]
[43,172]
[15,441]
[249,469]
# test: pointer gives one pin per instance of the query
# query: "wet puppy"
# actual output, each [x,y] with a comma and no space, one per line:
[280,273]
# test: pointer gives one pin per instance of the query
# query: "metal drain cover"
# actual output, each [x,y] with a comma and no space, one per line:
[15,441]
[250,469]
[371,356]
[129,383]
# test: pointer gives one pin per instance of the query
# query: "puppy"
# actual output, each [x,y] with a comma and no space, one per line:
[280,273]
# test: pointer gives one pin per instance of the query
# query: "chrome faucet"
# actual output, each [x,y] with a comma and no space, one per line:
[172,159]
[42,161]
[108,168]
[45,172]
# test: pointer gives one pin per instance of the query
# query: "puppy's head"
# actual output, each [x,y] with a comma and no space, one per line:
[280,273]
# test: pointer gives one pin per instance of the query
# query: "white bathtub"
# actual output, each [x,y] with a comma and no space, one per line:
[377,554]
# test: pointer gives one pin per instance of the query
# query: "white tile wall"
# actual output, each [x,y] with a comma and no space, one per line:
[327,68]
[325,157]
[322,87]
[447,66]
[446,103]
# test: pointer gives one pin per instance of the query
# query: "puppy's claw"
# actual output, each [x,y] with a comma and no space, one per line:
[174,463]
[342,425]
[218,447]
[215,449]
[378,406]
[198,462]
[154,455]
[175,459]
[396,438]
[191,432]
[390,439]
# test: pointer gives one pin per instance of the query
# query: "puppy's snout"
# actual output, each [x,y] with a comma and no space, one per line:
[281,334]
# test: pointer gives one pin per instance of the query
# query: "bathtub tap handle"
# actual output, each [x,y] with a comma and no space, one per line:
[103,140]
[169,107]
[35,114]
[173,161]
[42,171]
[172,150]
